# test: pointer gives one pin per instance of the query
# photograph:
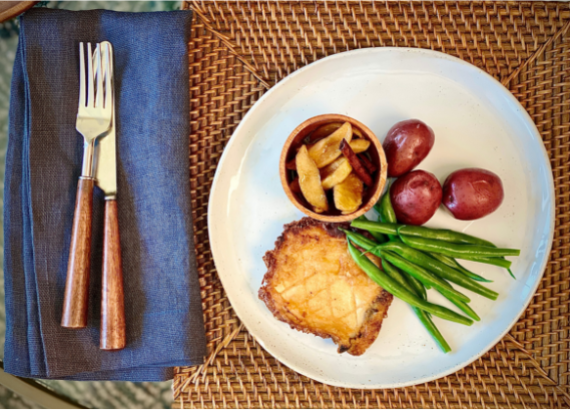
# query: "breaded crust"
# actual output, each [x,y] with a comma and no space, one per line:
[313,285]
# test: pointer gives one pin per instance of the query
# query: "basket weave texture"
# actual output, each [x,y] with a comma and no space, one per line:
[240,49]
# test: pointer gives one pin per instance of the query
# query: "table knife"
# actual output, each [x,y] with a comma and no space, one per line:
[113,332]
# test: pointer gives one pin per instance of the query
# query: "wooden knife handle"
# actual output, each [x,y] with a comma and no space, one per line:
[78,265]
[113,333]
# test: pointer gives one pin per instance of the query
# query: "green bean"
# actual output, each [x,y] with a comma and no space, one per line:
[378,237]
[503,263]
[423,316]
[395,274]
[389,229]
[432,329]
[370,226]
[386,211]
[454,264]
[392,229]
[438,268]
[404,279]
[416,284]
[391,286]
[500,262]
[369,245]
[359,239]
[418,287]
[446,235]
[466,309]
[423,275]
[456,250]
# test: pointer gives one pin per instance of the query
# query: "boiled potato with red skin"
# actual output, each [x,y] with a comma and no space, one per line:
[472,193]
[406,145]
[415,197]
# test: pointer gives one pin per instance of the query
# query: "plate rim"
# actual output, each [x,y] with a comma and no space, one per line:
[551,189]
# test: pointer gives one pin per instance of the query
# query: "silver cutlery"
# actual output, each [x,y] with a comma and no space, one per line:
[93,120]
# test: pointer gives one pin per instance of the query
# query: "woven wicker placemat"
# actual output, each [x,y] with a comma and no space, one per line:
[240,49]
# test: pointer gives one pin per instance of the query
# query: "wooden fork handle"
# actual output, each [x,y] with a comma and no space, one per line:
[78,266]
[113,332]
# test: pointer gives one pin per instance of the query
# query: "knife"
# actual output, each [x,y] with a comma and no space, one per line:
[113,332]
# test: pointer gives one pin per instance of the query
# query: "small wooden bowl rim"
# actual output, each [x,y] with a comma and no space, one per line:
[368,134]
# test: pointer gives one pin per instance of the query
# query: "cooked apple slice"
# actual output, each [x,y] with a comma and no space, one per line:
[324,131]
[359,145]
[335,172]
[310,181]
[348,194]
[332,167]
[327,150]
[328,129]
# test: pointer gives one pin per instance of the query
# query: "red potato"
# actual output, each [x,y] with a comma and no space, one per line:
[406,145]
[472,193]
[415,197]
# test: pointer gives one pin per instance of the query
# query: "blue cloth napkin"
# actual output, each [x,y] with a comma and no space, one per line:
[162,294]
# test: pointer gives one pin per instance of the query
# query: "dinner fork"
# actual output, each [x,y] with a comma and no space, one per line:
[93,120]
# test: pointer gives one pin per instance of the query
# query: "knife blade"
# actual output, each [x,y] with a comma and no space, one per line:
[113,329]
[106,155]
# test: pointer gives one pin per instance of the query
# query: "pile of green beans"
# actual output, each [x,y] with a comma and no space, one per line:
[420,291]
[401,292]
[416,257]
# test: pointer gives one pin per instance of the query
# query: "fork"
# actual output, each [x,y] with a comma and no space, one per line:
[93,121]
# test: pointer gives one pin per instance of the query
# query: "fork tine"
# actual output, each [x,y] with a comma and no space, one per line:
[108,77]
[81,76]
[99,76]
[90,90]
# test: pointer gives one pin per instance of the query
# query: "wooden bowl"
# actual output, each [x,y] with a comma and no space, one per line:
[377,157]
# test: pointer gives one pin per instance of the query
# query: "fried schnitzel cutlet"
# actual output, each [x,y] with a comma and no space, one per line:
[313,284]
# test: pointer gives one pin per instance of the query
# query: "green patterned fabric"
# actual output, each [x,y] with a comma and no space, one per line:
[10,400]
[88,394]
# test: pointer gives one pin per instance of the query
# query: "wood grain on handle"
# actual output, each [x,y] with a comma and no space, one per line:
[78,266]
[113,333]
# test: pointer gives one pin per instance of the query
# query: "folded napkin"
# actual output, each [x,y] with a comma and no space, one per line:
[162,294]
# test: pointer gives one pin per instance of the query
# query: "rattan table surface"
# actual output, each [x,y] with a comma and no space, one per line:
[239,49]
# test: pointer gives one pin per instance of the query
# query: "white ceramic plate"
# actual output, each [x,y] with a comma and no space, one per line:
[477,123]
